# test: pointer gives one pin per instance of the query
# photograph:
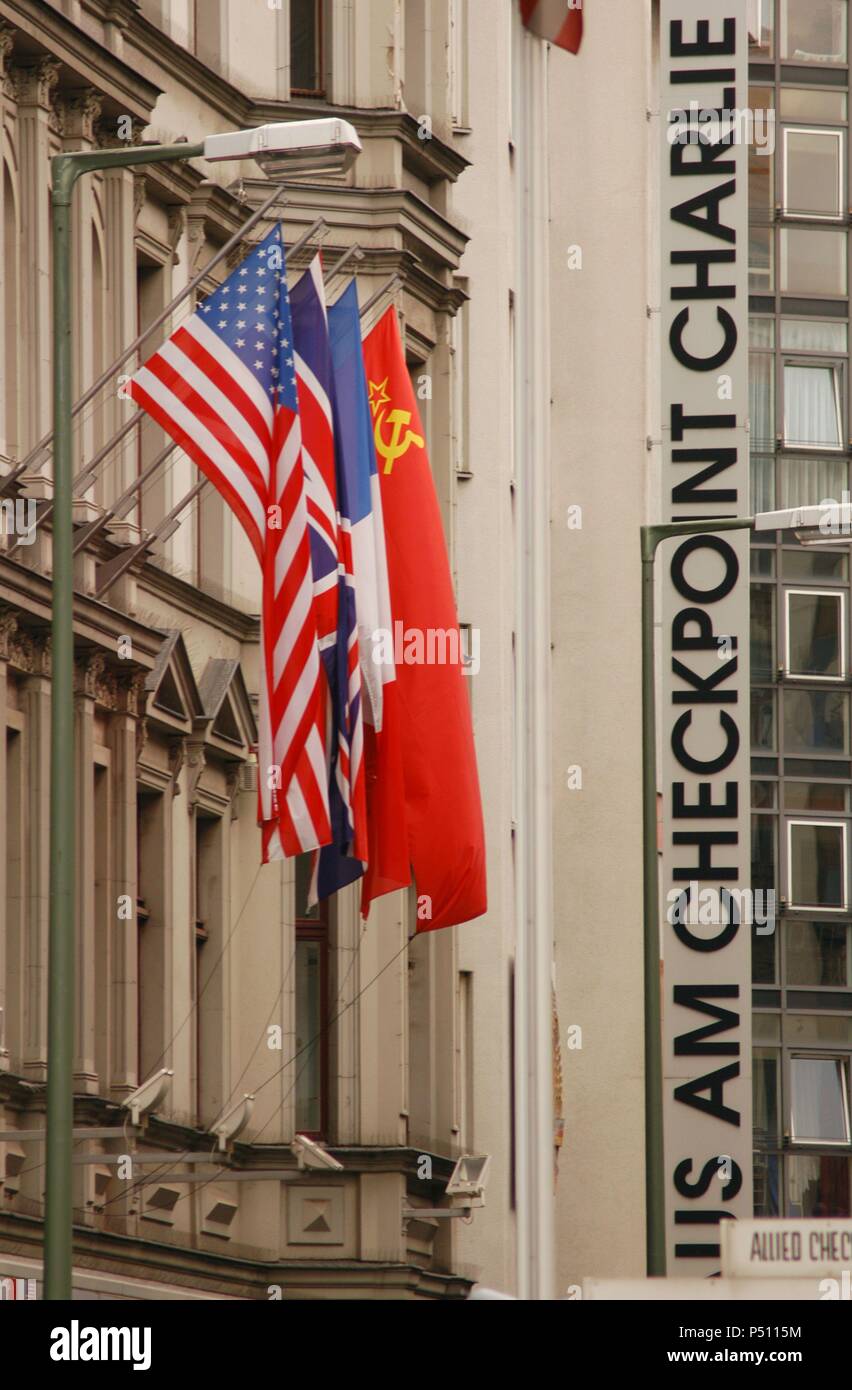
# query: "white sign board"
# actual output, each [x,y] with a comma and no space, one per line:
[786,1249]
[704,702]
[704,1290]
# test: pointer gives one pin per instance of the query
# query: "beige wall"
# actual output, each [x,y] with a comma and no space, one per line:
[603,202]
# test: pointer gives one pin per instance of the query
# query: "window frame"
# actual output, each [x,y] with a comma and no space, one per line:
[841,1060]
[789,592]
[828,132]
[838,824]
[319,92]
[838,377]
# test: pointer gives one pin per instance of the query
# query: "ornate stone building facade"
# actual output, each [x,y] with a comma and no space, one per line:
[191,960]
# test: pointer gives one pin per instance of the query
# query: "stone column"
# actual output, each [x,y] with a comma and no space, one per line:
[120,212]
[8,397]
[7,623]
[123,1044]
[85,1070]
[34,85]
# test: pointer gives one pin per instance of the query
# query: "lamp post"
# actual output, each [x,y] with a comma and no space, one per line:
[295,147]
[826,524]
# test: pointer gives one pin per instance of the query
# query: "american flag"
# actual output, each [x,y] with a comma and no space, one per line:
[224,387]
[331,554]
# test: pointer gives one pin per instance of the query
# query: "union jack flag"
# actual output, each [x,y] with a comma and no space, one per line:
[331,554]
[224,387]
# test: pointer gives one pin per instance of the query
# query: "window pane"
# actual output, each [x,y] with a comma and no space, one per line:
[813,261]
[811,406]
[766,1027]
[818,953]
[760,27]
[761,332]
[761,400]
[802,103]
[813,30]
[817,865]
[818,1100]
[761,178]
[806,482]
[308,1027]
[762,631]
[304,45]
[767,1184]
[812,165]
[816,721]
[762,475]
[763,563]
[763,852]
[763,794]
[812,335]
[818,1186]
[763,959]
[817,1028]
[762,720]
[814,645]
[760,277]
[765,1083]
[813,564]
[814,796]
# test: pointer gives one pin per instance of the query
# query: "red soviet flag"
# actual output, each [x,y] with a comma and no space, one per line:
[442,808]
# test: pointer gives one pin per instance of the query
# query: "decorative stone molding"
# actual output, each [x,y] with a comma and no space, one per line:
[140,192]
[196,762]
[24,649]
[108,137]
[141,736]
[196,234]
[122,692]
[7,40]
[89,675]
[35,82]
[177,227]
[177,757]
[79,112]
[232,786]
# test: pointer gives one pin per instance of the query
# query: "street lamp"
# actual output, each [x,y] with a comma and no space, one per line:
[297,147]
[815,525]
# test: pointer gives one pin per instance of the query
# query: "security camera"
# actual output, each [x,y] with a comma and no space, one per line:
[234,1121]
[148,1095]
[469,1178]
[310,1154]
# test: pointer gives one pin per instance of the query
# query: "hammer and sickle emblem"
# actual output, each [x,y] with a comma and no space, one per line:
[399,444]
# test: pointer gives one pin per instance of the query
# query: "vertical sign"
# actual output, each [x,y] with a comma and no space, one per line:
[705,629]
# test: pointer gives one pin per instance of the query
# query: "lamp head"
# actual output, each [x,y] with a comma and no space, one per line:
[291,147]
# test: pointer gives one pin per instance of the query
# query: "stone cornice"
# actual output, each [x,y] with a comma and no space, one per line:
[28,593]
[431,160]
[44,27]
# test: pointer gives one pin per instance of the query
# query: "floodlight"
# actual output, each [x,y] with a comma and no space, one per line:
[234,1121]
[310,1154]
[290,147]
[469,1178]
[148,1095]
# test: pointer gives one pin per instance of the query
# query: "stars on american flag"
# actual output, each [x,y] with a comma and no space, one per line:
[266,317]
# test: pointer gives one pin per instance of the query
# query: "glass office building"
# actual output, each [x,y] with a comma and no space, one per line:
[799,181]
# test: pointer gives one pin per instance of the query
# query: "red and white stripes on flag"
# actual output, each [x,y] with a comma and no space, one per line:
[558,21]
[224,387]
